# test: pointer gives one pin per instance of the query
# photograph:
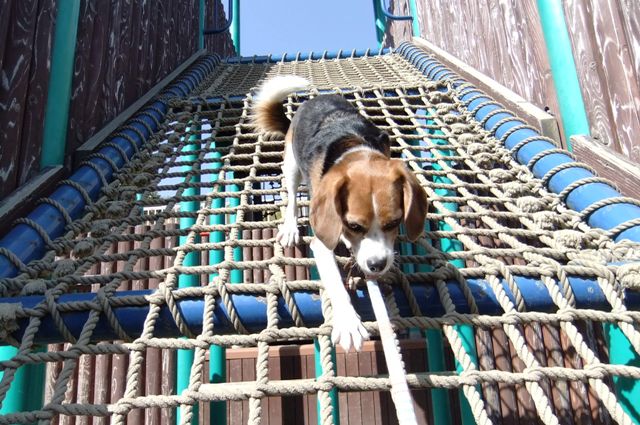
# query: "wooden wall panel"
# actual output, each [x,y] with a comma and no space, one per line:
[601,36]
[20,18]
[124,47]
[38,86]
[502,39]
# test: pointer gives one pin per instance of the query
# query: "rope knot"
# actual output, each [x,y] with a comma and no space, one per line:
[629,276]
[569,239]
[530,204]
[8,319]
[100,229]
[63,268]
[34,287]
[83,248]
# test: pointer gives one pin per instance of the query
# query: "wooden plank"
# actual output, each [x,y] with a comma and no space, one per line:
[509,405]
[15,68]
[597,63]
[341,370]
[365,368]
[577,391]
[267,251]
[312,399]
[168,415]
[21,201]
[275,403]
[247,255]
[555,358]
[486,362]
[526,110]
[618,67]
[235,407]
[248,375]
[354,399]
[33,123]
[608,164]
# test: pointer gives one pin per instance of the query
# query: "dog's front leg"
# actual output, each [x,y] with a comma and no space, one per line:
[347,326]
[288,234]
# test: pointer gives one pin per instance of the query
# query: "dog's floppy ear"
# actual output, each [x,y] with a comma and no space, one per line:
[326,209]
[415,204]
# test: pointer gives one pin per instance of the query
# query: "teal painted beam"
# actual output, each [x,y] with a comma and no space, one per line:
[235,26]
[465,332]
[333,394]
[621,352]
[201,23]
[415,25]
[184,358]
[575,122]
[379,21]
[563,69]
[56,116]
[217,354]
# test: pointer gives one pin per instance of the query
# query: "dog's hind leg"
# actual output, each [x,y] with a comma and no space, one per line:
[288,234]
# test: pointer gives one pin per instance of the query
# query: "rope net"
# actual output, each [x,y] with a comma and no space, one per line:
[194,216]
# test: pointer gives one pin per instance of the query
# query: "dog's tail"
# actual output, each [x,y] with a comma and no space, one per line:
[268,112]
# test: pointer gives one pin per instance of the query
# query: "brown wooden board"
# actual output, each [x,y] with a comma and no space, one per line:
[15,67]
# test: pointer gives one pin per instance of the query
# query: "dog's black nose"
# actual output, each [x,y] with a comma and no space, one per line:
[376,264]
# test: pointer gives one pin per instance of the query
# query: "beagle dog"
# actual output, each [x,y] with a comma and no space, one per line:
[359,195]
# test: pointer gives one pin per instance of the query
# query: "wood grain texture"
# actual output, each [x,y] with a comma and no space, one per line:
[123,48]
[500,38]
[607,74]
[14,84]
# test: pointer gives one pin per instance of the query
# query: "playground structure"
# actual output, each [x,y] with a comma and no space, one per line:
[526,275]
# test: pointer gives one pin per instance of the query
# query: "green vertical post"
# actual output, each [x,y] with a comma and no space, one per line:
[56,116]
[415,25]
[333,394]
[465,332]
[380,21]
[185,357]
[217,354]
[575,122]
[27,388]
[563,69]
[235,26]
[201,23]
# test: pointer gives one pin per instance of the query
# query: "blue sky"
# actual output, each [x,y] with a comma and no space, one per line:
[278,26]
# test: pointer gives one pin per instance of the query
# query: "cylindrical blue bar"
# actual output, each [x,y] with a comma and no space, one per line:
[252,311]
[579,198]
[288,57]
[26,243]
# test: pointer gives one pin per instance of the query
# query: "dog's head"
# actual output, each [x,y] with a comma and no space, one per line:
[363,203]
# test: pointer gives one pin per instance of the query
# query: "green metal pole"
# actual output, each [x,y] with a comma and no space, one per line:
[217,354]
[464,331]
[563,69]
[56,118]
[185,357]
[235,26]
[415,25]
[333,394]
[27,388]
[201,23]
[380,21]
[56,115]
[574,117]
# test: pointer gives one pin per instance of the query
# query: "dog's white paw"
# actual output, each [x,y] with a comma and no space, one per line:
[348,330]
[288,234]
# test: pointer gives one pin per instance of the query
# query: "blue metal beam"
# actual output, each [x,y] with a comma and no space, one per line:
[252,311]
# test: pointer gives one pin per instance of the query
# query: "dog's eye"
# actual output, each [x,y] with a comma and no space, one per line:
[392,225]
[355,227]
